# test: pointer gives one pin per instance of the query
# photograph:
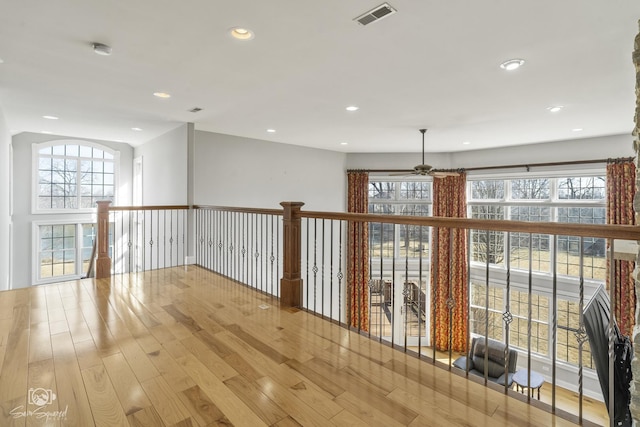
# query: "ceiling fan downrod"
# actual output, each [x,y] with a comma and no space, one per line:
[422,131]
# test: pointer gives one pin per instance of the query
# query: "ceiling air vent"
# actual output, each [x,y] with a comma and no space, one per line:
[375,14]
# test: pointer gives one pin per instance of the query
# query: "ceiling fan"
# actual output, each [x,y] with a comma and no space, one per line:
[425,169]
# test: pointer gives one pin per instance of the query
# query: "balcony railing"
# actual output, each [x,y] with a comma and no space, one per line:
[141,238]
[302,258]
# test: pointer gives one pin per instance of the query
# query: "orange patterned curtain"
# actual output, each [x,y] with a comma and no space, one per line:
[450,286]
[358,253]
[621,179]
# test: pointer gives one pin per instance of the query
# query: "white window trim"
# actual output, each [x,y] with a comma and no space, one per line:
[35,245]
[35,156]
[397,201]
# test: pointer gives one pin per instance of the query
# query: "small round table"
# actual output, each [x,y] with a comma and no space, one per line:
[521,378]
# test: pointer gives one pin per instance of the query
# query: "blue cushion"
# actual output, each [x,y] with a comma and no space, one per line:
[500,379]
[461,363]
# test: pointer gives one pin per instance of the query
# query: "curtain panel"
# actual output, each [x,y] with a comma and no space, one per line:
[621,182]
[358,252]
[449,287]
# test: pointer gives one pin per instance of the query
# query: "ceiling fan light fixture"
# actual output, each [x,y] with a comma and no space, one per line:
[512,64]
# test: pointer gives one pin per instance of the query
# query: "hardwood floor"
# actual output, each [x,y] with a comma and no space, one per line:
[185,347]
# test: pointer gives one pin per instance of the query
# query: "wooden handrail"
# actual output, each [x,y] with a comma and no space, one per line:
[291,282]
[148,208]
[241,210]
[625,232]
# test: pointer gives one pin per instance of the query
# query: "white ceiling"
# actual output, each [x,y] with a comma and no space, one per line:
[433,64]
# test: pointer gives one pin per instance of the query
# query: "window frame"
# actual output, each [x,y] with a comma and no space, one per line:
[542,282]
[36,267]
[553,203]
[395,201]
[35,158]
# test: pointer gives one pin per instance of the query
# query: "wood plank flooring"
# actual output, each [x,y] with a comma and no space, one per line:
[185,347]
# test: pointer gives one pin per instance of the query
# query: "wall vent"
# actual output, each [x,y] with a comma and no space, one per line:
[375,14]
[195,109]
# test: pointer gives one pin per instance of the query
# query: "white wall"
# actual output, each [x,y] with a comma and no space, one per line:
[236,171]
[559,151]
[164,165]
[5,219]
[22,217]
[405,161]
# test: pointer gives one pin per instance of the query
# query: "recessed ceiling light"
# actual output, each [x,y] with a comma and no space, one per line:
[466,142]
[555,108]
[136,129]
[1,61]
[50,117]
[576,130]
[241,33]
[271,130]
[352,108]
[344,143]
[512,64]
[101,49]
[161,95]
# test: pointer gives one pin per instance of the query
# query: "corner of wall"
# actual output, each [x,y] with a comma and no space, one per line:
[5,204]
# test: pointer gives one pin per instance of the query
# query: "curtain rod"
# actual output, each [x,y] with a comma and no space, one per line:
[525,166]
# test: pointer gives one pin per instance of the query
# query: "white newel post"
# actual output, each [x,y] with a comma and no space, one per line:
[635,365]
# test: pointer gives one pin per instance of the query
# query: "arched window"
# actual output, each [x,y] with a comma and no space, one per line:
[71,175]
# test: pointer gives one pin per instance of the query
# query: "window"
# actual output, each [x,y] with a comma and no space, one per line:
[567,348]
[64,249]
[519,330]
[73,175]
[573,199]
[570,199]
[57,250]
[399,198]
[478,311]
[519,309]
[69,177]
